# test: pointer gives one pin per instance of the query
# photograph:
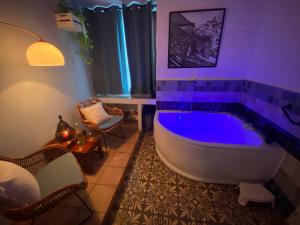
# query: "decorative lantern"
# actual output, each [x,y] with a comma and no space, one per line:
[64,131]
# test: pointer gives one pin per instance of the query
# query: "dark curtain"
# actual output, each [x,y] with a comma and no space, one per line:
[138,21]
[153,53]
[102,26]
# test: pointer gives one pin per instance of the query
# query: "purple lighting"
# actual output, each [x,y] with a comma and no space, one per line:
[210,127]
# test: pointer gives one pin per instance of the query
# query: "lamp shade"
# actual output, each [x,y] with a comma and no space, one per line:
[42,53]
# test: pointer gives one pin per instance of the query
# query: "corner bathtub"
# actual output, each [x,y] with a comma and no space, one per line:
[214,147]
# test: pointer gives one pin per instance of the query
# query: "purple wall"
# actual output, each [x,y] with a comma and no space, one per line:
[237,44]
[277,47]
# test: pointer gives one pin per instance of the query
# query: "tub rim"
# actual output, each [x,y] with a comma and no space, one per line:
[214,145]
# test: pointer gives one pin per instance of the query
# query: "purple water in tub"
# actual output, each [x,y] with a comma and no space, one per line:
[221,128]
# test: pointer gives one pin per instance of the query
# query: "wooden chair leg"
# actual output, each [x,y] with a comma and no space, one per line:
[122,132]
[104,142]
[91,213]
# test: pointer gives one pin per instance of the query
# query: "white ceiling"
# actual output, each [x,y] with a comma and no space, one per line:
[105,3]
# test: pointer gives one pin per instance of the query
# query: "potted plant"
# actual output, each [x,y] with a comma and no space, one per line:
[73,20]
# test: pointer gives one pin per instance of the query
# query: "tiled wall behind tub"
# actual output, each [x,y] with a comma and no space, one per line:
[264,99]
[267,101]
[187,91]
[260,101]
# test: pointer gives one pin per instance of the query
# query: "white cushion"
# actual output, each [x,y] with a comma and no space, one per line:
[17,185]
[95,113]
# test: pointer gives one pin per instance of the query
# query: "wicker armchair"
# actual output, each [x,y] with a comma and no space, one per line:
[106,127]
[34,163]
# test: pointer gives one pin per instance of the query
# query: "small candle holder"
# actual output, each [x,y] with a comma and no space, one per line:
[64,132]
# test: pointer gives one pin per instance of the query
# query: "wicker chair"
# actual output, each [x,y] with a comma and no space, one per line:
[35,163]
[106,127]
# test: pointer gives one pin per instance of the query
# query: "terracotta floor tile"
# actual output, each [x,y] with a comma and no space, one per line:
[105,157]
[101,197]
[119,159]
[114,143]
[92,178]
[109,156]
[128,146]
[111,176]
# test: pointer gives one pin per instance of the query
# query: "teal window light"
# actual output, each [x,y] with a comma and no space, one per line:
[123,59]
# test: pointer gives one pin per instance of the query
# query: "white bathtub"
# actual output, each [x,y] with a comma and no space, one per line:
[214,147]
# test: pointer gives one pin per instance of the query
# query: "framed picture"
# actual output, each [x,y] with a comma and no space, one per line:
[195,37]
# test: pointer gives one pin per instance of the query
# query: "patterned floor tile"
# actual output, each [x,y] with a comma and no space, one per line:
[161,199]
[127,217]
[161,173]
[134,195]
[159,220]
[141,170]
[152,194]
[196,204]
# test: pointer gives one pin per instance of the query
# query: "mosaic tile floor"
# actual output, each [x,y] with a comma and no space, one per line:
[153,194]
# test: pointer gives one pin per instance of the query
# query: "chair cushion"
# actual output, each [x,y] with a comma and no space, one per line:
[95,113]
[18,187]
[111,122]
[59,173]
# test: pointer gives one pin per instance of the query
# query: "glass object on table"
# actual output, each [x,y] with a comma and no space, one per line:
[79,135]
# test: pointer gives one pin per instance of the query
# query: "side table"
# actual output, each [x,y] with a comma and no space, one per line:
[82,152]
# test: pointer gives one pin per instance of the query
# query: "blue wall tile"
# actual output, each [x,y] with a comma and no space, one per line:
[273,95]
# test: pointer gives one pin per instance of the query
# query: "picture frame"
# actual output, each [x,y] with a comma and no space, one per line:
[195,37]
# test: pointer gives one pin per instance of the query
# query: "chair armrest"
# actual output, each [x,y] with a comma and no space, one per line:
[114,111]
[52,152]
[117,111]
[3,158]
[37,160]
[43,205]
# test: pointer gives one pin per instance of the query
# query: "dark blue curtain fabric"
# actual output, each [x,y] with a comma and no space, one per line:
[140,32]
[103,28]
[123,49]
[153,53]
